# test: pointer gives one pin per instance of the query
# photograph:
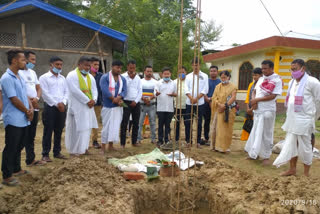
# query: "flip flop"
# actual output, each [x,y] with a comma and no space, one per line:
[37,163]
[13,182]
[23,172]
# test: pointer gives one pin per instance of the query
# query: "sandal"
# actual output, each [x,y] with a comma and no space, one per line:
[11,183]
[37,163]
[22,172]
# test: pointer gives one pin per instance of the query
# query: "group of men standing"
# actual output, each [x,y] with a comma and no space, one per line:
[82,97]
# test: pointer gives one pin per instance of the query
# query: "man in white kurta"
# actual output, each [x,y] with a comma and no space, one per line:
[81,117]
[260,141]
[303,109]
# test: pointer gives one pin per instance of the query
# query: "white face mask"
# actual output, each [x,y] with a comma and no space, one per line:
[225,82]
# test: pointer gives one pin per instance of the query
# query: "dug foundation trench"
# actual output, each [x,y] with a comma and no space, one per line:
[90,185]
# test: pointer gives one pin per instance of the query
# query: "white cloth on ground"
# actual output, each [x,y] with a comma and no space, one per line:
[80,118]
[260,141]
[111,121]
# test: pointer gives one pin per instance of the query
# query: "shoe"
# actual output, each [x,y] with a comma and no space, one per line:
[60,156]
[96,145]
[46,159]
[203,142]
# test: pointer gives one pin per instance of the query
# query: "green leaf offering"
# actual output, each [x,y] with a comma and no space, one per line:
[124,105]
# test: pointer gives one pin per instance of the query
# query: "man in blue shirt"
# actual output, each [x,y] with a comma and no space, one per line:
[213,82]
[114,88]
[94,71]
[17,112]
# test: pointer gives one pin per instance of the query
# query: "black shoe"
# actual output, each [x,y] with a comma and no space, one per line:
[96,145]
[202,142]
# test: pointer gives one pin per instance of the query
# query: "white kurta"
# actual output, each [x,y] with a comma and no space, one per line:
[260,141]
[80,118]
[300,125]
[111,121]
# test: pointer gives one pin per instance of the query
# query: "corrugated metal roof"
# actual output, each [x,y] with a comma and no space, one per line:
[18,5]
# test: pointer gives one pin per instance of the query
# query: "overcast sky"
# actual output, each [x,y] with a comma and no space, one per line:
[246,21]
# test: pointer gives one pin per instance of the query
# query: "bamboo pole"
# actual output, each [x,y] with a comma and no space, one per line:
[23,33]
[55,50]
[100,52]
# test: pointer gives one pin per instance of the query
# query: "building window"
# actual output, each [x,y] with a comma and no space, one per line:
[8,39]
[245,75]
[77,39]
[313,66]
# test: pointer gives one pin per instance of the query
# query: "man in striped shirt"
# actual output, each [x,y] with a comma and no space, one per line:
[148,103]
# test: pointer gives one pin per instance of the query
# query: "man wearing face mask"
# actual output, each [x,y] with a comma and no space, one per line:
[303,109]
[55,95]
[94,71]
[165,92]
[81,117]
[268,87]
[34,94]
[180,100]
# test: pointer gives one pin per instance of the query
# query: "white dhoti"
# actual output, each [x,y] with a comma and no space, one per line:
[78,130]
[260,141]
[295,145]
[77,142]
[111,121]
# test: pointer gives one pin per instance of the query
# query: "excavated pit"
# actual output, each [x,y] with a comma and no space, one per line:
[90,185]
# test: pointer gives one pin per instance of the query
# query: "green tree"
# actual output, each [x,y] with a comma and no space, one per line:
[152,26]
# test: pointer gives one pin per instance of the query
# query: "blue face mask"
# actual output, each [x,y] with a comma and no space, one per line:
[30,65]
[182,76]
[166,79]
[56,70]
[84,72]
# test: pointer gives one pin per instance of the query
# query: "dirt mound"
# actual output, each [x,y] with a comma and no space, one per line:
[90,185]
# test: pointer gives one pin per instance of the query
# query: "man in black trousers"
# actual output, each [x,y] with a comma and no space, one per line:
[132,98]
[17,112]
[54,93]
